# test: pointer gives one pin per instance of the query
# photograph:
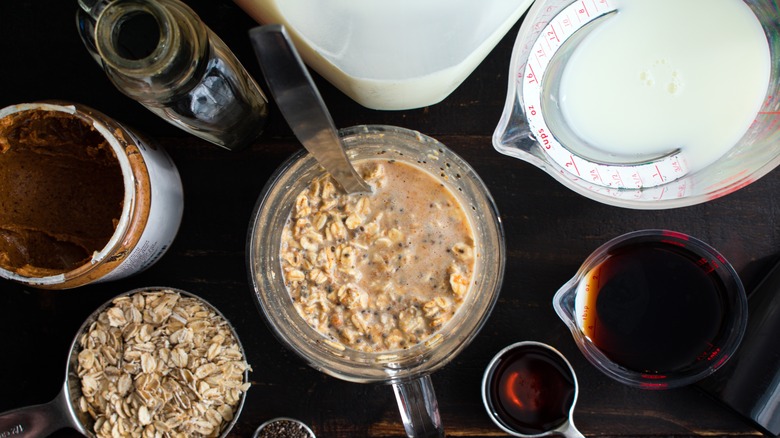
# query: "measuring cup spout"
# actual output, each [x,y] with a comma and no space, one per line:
[39,420]
[513,135]
[564,302]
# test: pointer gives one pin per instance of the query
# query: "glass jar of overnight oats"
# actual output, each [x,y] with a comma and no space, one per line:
[83,199]
[430,222]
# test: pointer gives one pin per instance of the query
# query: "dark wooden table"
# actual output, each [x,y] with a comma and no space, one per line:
[549,231]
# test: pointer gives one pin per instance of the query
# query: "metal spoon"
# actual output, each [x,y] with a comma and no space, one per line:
[300,103]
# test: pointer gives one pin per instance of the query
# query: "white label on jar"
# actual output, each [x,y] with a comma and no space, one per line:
[165,212]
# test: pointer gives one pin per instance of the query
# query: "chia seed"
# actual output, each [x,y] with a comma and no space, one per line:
[284,428]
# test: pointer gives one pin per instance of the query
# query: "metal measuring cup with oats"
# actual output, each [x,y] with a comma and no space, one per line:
[152,362]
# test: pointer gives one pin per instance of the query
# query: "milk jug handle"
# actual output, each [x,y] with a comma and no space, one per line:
[419,408]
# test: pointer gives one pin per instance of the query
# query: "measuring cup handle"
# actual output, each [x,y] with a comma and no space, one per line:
[419,408]
[569,431]
[35,421]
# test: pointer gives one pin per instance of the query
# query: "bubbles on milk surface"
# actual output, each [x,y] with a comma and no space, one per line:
[662,77]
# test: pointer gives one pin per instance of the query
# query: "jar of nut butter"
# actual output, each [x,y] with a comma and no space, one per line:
[83,199]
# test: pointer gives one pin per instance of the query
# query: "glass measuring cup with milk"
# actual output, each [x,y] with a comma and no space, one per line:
[646,103]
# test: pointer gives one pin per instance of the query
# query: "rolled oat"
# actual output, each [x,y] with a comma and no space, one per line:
[159,364]
[381,271]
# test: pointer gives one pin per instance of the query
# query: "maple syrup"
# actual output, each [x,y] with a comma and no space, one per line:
[654,307]
[531,389]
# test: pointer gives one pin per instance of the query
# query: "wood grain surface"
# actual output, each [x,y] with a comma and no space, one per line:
[549,232]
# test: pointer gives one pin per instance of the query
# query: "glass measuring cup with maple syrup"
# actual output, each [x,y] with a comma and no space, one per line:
[529,389]
[655,309]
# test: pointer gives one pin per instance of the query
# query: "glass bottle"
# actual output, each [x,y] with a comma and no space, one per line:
[161,54]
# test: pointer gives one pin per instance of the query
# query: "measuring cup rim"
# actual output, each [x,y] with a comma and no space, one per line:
[75,347]
[604,248]
[492,366]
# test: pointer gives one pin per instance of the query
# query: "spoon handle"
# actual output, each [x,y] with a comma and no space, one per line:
[300,103]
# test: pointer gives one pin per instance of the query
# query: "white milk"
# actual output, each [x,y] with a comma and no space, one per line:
[666,74]
[392,54]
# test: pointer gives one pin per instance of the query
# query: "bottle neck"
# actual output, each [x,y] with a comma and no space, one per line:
[153,50]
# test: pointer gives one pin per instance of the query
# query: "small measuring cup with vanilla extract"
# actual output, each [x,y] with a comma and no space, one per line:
[655,309]
[529,390]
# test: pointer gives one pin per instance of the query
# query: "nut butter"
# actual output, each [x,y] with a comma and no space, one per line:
[76,197]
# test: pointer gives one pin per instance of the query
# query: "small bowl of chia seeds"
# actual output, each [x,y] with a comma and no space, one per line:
[283,427]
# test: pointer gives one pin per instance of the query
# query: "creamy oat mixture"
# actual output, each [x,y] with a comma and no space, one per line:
[381,271]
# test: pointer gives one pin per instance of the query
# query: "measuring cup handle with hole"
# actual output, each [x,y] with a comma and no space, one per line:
[39,420]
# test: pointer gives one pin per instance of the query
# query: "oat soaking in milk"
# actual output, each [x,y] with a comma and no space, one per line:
[381,271]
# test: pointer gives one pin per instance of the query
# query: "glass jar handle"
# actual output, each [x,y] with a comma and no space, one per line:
[419,408]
